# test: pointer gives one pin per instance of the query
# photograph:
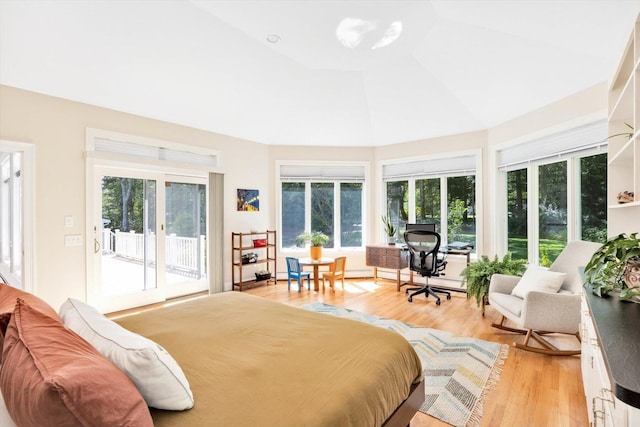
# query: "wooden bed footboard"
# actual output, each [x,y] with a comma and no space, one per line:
[403,414]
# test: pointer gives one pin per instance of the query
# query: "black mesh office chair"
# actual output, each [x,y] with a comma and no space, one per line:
[424,258]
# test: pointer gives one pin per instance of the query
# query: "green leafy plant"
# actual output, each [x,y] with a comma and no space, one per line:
[606,269]
[315,238]
[477,275]
[389,228]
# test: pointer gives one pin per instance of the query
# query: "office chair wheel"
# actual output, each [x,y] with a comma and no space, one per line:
[410,299]
[448,296]
[437,302]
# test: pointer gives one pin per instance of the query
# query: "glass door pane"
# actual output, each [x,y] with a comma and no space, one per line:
[129,245]
[185,237]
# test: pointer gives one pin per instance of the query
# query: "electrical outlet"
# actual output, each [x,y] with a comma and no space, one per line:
[73,240]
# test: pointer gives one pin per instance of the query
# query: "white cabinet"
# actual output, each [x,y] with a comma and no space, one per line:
[603,407]
[624,152]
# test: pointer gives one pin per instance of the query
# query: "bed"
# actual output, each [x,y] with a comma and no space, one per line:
[251,361]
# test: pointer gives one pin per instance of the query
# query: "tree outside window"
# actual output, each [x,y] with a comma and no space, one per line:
[517,214]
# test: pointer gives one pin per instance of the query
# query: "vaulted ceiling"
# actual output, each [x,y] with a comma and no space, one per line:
[331,73]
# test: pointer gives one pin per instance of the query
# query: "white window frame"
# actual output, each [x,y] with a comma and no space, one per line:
[336,205]
[412,177]
[27,279]
[144,165]
[570,145]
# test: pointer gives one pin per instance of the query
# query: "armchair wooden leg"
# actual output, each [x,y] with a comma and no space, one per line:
[504,327]
[547,347]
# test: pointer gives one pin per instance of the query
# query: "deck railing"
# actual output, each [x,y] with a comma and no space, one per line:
[182,253]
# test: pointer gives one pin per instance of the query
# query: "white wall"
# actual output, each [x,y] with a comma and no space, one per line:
[56,128]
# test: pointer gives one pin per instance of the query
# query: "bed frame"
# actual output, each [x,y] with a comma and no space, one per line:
[403,414]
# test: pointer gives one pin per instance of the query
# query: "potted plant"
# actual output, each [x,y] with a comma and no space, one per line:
[316,239]
[477,275]
[389,229]
[615,267]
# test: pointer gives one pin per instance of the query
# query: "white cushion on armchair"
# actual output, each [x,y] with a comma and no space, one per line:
[538,278]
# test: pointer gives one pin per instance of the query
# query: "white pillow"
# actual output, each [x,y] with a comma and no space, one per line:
[538,278]
[150,367]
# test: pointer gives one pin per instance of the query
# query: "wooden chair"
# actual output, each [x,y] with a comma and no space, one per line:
[336,271]
[295,272]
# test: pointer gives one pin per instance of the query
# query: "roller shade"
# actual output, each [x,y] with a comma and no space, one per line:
[456,165]
[581,141]
[354,173]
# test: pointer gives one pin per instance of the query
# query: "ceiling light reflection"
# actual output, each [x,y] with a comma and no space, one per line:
[350,31]
[390,35]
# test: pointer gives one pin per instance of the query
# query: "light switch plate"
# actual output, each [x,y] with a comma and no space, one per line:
[73,240]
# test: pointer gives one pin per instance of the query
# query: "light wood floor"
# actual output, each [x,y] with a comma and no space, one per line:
[534,389]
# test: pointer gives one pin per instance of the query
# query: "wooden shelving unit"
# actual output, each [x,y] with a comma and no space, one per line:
[624,153]
[242,243]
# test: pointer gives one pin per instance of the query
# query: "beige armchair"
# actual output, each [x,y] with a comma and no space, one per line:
[537,313]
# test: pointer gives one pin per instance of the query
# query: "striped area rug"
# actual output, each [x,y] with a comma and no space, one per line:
[458,371]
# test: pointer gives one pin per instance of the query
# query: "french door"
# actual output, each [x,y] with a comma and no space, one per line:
[149,241]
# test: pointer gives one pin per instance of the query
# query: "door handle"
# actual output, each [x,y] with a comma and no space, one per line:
[96,246]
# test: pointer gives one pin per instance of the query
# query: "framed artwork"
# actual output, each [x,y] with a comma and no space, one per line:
[248,200]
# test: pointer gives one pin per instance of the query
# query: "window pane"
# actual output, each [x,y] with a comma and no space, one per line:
[428,202]
[552,208]
[461,213]
[593,198]
[322,209]
[11,217]
[292,212]
[398,204]
[351,215]
[517,213]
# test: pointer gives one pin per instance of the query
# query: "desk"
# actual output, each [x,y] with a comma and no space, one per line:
[388,256]
[466,252]
[316,264]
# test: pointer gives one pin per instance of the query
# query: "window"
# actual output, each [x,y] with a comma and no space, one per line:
[440,191]
[517,213]
[11,217]
[593,198]
[561,181]
[322,197]
[552,211]
[293,212]
[428,202]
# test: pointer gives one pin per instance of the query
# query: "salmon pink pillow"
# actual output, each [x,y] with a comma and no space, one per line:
[51,376]
[8,298]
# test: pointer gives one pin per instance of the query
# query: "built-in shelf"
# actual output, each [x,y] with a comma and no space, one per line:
[623,172]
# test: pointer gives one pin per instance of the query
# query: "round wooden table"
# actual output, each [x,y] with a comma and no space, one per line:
[316,265]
